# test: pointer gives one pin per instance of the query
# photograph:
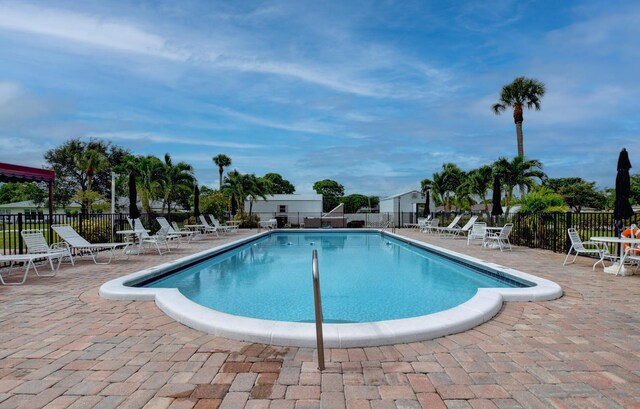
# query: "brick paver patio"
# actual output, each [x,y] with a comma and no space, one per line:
[62,346]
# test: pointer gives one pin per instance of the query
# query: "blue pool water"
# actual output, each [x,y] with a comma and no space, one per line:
[364,276]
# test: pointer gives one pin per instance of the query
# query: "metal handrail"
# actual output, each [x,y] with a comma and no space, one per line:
[315,270]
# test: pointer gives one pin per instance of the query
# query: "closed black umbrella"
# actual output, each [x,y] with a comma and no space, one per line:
[622,208]
[496,207]
[134,213]
[427,210]
[196,201]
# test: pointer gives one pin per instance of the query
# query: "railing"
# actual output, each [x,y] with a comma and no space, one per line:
[317,302]
[538,230]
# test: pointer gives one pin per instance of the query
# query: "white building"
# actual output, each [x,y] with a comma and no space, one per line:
[288,209]
[405,203]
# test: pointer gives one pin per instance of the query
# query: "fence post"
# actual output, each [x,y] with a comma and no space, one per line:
[80,229]
[569,224]
[19,233]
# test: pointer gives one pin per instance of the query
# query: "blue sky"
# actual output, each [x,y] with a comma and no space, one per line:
[376,95]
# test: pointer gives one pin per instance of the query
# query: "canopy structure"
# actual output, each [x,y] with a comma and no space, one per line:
[17,173]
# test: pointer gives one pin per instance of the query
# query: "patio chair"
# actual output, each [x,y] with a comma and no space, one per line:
[206,227]
[161,238]
[81,246]
[453,232]
[37,244]
[431,227]
[221,227]
[578,246]
[175,233]
[501,238]
[452,225]
[478,231]
[29,261]
[269,224]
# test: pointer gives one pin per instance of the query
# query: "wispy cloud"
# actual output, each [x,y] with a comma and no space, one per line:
[148,137]
[84,29]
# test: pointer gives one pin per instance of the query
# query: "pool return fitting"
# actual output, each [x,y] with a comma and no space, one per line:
[315,271]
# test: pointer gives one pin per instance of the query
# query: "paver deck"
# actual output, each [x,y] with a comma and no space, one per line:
[62,346]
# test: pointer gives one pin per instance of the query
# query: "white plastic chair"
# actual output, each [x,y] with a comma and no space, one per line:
[578,246]
[178,234]
[218,226]
[37,244]
[452,225]
[478,231]
[455,231]
[207,228]
[431,227]
[500,238]
[83,248]
[161,238]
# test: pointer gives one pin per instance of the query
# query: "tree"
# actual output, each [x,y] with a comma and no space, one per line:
[149,174]
[177,181]
[543,200]
[480,182]
[254,188]
[233,187]
[355,202]
[521,92]
[446,182]
[577,193]
[90,161]
[18,192]
[279,185]
[222,161]
[70,178]
[331,192]
[518,172]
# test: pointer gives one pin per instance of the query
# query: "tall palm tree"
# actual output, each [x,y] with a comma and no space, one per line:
[222,161]
[480,181]
[522,91]
[176,180]
[90,161]
[233,187]
[149,173]
[254,188]
[518,172]
[439,189]
[452,177]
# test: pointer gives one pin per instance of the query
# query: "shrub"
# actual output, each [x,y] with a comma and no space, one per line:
[245,223]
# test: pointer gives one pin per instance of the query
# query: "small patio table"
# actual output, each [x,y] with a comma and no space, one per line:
[616,268]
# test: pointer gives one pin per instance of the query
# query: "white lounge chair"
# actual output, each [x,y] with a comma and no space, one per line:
[221,227]
[175,233]
[478,231]
[452,225]
[578,246]
[501,238]
[206,227]
[196,233]
[37,244]
[453,232]
[81,246]
[29,261]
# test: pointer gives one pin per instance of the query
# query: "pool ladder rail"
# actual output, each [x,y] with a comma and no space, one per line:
[315,271]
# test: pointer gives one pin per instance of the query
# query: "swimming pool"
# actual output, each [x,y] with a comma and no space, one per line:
[377,288]
[365,277]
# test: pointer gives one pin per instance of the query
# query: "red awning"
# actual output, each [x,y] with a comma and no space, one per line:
[17,173]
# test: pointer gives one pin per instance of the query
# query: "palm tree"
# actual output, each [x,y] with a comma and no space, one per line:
[255,187]
[176,180]
[149,173]
[222,161]
[439,189]
[452,177]
[522,91]
[233,187]
[518,172]
[90,161]
[480,181]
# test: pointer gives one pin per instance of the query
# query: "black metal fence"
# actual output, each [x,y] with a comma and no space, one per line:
[537,230]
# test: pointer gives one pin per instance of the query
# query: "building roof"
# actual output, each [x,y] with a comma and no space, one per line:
[401,194]
[309,197]
[28,203]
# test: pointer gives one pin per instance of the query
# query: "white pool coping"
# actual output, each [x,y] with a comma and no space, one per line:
[480,308]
